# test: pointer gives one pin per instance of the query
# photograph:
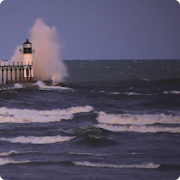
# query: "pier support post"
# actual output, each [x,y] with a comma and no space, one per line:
[7,75]
[11,73]
[2,75]
[15,74]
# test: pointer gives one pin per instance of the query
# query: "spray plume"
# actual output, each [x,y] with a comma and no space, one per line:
[46,60]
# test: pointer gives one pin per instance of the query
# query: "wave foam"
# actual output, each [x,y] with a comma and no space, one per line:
[114,93]
[18,86]
[37,140]
[4,161]
[8,153]
[128,119]
[31,116]
[130,94]
[42,86]
[142,166]
[139,129]
[171,92]
[89,154]
[136,94]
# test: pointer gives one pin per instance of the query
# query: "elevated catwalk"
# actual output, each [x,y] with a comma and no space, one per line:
[12,73]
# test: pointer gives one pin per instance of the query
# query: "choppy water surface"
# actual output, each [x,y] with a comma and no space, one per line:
[110,120]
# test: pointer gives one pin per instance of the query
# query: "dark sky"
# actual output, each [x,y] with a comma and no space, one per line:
[97,29]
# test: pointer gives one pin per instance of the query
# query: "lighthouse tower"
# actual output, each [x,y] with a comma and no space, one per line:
[28,57]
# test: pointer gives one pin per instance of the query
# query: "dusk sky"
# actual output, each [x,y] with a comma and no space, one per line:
[97,29]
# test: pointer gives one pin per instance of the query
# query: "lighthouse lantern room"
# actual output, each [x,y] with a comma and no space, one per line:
[27,47]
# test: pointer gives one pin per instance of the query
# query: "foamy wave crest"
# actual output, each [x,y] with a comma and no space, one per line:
[171,92]
[31,116]
[128,119]
[8,153]
[130,94]
[37,140]
[136,94]
[4,161]
[89,154]
[139,129]
[98,165]
[42,86]
[18,86]
[114,93]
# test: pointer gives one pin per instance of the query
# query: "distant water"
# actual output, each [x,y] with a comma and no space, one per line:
[108,120]
[118,70]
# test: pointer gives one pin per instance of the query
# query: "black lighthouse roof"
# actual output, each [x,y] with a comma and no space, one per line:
[27,42]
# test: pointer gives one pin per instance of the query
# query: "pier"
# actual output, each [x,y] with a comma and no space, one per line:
[12,73]
[17,72]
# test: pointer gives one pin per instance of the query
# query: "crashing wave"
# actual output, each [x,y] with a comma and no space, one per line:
[145,119]
[33,116]
[42,86]
[139,129]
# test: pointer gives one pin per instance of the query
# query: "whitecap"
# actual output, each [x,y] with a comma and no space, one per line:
[130,94]
[145,119]
[43,116]
[42,86]
[136,94]
[171,92]
[4,161]
[101,91]
[38,140]
[114,93]
[139,129]
[99,165]
[8,153]
[89,154]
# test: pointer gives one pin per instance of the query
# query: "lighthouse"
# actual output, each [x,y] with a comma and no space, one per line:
[28,58]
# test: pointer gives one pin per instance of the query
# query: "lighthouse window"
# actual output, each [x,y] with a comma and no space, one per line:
[28,45]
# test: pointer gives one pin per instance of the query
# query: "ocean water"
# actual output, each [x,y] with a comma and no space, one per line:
[108,120]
